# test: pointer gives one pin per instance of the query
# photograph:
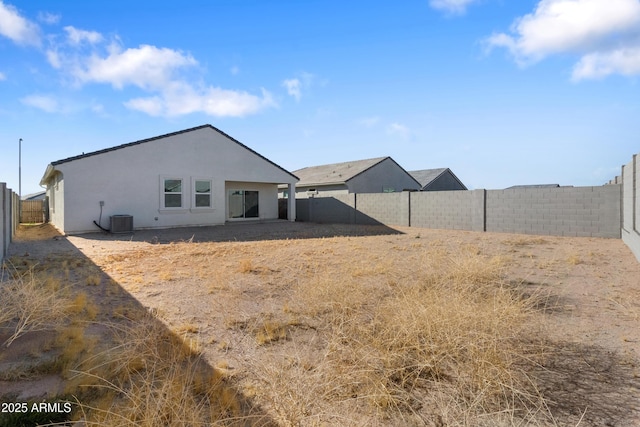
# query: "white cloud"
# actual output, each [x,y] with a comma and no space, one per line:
[604,32]
[147,67]
[17,28]
[293,88]
[77,37]
[451,6]
[2,76]
[369,121]
[599,65]
[42,102]
[399,130]
[181,98]
[48,18]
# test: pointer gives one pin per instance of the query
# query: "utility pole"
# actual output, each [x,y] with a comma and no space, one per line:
[20,180]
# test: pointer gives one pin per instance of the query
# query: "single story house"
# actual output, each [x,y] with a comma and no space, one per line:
[442,179]
[378,175]
[197,176]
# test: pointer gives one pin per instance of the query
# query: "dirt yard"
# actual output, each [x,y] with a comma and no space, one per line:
[249,298]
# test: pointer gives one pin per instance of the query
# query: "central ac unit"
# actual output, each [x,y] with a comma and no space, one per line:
[121,223]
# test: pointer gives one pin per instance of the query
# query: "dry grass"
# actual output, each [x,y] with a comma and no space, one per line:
[31,302]
[451,340]
[150,378]
[381,330]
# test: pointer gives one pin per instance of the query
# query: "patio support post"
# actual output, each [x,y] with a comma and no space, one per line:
[291,202]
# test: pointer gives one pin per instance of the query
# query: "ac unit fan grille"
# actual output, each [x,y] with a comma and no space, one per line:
[121,223]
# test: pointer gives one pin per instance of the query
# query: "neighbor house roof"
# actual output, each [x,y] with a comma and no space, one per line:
[51,166]
[533,186]
[35,196]
[427,176]
[335,173]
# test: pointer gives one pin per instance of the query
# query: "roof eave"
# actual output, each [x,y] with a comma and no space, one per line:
[47,174]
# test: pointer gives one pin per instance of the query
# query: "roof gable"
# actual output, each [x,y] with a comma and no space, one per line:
[427,176]
[144,141]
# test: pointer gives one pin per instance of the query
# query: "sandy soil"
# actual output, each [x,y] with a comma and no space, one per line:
[592,287]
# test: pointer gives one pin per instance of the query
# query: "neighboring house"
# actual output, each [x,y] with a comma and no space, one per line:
[379,175]
[441,179]
[198,176]
[35,196]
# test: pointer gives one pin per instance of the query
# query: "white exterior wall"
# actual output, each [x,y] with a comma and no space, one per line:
[55,192]
[130,181]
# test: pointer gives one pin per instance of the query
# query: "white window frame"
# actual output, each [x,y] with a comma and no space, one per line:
[182,207]
[194,194]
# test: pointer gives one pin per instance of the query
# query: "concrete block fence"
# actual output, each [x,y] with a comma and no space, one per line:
[631,205]
[9,212]
[564,211]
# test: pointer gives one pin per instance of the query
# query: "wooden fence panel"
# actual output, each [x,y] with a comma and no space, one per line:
[32,211]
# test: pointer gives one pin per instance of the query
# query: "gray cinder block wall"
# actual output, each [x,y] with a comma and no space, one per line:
[631,205]
[564,211]
[8,218]
[443,209]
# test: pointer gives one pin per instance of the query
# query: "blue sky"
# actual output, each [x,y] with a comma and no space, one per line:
[502,92]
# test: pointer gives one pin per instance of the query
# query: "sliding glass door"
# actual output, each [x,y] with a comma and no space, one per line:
[243,204]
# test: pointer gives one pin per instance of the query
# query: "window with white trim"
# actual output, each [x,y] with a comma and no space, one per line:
[202,193]
[172,193]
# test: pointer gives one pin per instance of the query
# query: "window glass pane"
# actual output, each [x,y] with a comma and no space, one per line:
[251,204]
[235,204]
[203,186]
[172,185]
[203,200]
[172,200]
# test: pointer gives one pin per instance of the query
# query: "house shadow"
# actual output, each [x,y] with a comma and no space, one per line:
[116,341]
[590,385]
[249,231]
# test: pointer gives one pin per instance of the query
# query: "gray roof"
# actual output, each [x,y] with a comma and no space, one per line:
[427,176]
[335,173]
[35,196]
[533,186]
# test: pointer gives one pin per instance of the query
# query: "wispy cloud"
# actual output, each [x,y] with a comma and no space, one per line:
[77,36]
[369,121]
[294,88]
[181,98]
[604,32]
[399,130]
[48,18]
[17,28]
[42,102]
[296,84]
[451,6]
[2,76]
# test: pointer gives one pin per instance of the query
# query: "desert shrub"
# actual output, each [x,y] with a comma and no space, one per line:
[31,302]
[446,343]
[151,378]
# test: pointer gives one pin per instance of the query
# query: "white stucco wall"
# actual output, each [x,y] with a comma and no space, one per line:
[130,181]
[55,192]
